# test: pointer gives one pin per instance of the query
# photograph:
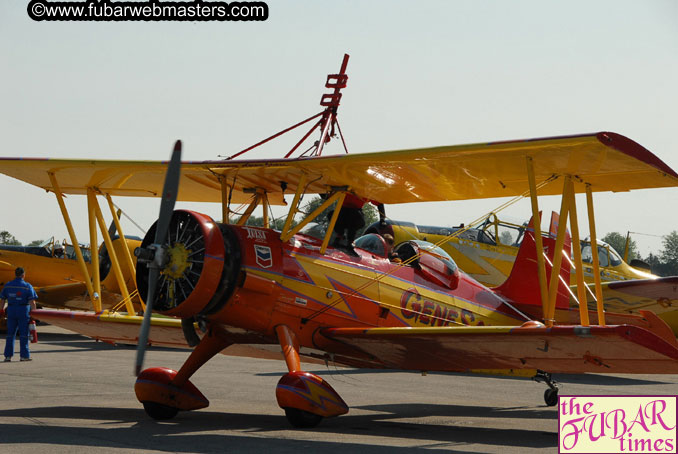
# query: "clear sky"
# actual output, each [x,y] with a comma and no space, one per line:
[421,74]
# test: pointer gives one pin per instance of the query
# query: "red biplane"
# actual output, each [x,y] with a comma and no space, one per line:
[257,285]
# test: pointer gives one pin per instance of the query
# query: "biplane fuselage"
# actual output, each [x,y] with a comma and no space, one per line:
[43,267]
[292,281]
[58,277]
[252,280]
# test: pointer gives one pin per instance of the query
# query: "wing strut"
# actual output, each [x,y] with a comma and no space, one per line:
[333,221]
[94,297]
[127,254]
[250,209]
[558,253]
[594,252]
[264,206]
[225,199]
[93,242]
[568,207]
[115,263]
[541,267]
[576,250]
[301,184]
[287,234]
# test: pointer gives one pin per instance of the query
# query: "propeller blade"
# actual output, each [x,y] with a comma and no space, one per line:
[169,197]
[153,274]
[169,194]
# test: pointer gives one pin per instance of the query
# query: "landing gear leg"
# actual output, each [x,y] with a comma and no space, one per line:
[210,345]
[551,393]
[305,397]
[164,392]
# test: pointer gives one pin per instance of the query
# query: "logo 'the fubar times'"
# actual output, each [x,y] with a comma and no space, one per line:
[617,424]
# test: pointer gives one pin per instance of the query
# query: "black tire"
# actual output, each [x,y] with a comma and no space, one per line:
[159,411]
[551,397]
[302,419]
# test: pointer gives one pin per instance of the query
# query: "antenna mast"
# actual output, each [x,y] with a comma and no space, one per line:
[327,121]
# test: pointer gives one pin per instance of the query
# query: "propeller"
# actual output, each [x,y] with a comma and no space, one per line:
[154,254]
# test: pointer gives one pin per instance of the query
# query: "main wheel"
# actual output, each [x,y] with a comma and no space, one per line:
[160,411]
[302,419]
[551,397]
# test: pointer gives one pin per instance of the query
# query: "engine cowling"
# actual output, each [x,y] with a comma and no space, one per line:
[200,266]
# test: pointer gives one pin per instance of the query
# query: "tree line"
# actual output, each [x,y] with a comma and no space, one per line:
[9,239]
[663,263]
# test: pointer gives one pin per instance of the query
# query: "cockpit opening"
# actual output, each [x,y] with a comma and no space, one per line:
[373,243]
[431,262]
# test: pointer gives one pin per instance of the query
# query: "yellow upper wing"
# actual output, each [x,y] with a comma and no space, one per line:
[607,161]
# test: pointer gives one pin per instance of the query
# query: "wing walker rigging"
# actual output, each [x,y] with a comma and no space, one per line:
[233,283]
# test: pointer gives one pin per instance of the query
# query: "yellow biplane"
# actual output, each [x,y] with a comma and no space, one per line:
[256,285]
[487,251]
[57,275]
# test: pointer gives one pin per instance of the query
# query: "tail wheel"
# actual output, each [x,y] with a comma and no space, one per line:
[159,411]
[551,397]
[302,419]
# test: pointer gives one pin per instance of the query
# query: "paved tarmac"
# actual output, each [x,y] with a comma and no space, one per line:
[77,396]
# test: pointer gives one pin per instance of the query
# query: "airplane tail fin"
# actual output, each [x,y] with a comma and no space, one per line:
[522,285]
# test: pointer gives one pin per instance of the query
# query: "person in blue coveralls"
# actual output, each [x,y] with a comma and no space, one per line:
[19,297]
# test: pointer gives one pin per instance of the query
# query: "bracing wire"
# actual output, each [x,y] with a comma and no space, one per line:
[129,218]
[122,302]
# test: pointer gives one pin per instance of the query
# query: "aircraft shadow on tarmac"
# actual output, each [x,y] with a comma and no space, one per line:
[78,342]
[608,380]
[410,410]
[188,431]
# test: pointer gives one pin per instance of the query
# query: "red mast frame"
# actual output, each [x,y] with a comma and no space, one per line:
[327,122]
